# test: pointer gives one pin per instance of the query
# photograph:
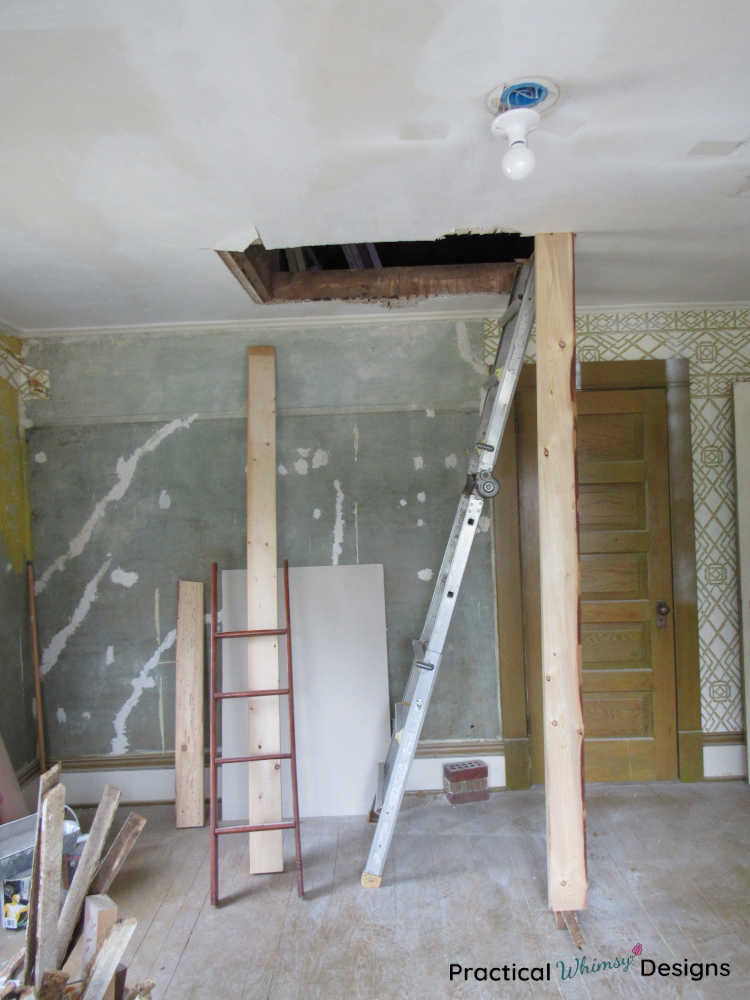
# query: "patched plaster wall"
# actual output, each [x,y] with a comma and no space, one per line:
[137,466]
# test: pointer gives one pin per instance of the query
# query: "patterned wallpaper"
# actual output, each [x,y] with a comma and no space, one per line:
[717,344]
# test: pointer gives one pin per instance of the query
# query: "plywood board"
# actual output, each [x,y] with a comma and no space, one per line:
[340,688]
[742,461]
[189,747]
[560,574]
[266,854]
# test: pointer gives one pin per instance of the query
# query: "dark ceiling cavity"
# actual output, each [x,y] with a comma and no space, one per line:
[485,248]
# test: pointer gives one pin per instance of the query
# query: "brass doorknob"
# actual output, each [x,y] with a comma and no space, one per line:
[662,610]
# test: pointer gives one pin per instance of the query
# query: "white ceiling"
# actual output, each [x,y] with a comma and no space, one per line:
[138,136]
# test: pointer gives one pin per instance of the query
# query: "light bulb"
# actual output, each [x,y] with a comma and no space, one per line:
[518,161]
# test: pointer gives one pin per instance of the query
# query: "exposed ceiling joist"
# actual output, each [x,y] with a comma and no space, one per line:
[256,270]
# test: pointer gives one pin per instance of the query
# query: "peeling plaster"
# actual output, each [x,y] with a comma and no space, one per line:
[429,412]
[62,716]
[59,641]
[316,513]
[450,461]
[319,459]
[139,684]
[418,463]
[301,466]
[109,656]
[123,577]
[338,527]
[356,443]
[125,471]
[421,496]
[282,470]
[425,574]
[484,523]
[40,458]
[165,501]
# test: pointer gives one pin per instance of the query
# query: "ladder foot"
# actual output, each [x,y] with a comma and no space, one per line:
[371,881]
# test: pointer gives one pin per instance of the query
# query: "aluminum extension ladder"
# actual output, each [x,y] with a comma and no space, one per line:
[215,762]
[515,326]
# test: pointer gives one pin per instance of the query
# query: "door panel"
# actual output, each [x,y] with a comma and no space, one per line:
[629,687]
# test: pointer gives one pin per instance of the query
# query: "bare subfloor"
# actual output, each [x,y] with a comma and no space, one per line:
[669,869]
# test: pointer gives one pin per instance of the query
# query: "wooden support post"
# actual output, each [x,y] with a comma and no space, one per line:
[90,855]
[116,856]
[560,573]
[266,854]
[99,917]
[50,882]
[188,736]
[108,959]
[47,782]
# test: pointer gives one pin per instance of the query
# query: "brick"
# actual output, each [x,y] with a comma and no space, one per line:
[465,770]
[463,797]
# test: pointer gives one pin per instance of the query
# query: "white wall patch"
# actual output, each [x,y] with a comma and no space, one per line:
[420,522]
[356,443]
[319,459]
[425,574]
[62,716]
[283,471]
[139,684]
[59,640]
[450,461]
[301,466]
[429,412]
[402,502]
[484,523]
[304,452]
[165,500]
[418,462]
[40,457]
[316,513]
[123,577]
[86,716]
[421,496]
[338,525]
[109,656]
[125,470]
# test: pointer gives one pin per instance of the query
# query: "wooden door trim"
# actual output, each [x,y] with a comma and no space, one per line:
[672,375]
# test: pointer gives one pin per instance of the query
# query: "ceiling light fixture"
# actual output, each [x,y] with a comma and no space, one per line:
[518,106]
[515,125]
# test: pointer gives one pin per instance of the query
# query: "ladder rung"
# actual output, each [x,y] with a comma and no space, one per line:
[247,760]
[249,633]
[220,830]
[219,695]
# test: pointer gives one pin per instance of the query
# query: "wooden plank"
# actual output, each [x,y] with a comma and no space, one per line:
[394,282]
[47,782]
[117,854]
[37,670]
[266,854]
[252,268]
[559,574]
[90,855]
[50,882]
[510,612]
[12,966]
[188,738]
[108,958]
[53,985]
[99,917]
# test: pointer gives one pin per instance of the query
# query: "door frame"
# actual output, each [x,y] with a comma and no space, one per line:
[672,375]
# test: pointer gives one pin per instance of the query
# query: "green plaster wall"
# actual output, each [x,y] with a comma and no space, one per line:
[137,469]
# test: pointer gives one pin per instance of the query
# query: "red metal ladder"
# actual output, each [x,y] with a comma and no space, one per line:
[216,697]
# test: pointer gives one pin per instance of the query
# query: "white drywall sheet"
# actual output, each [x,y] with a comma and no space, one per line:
[742,463]
[340,689]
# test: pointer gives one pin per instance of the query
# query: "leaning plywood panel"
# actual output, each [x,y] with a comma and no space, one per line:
[742,461]
[560,573]
[189,796]
[266,854]
[340,689]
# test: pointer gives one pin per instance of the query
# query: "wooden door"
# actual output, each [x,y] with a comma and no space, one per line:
[629,685]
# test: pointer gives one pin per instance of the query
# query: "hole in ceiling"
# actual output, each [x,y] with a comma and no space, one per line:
[468,248]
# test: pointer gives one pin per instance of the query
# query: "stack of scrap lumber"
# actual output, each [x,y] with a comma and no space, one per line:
[39,969]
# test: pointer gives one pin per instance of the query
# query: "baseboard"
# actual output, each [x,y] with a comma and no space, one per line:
[85,783]
[724,760]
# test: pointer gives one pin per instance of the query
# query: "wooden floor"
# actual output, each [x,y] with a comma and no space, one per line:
[669,868]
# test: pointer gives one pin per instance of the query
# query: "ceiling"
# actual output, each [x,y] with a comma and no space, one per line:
[139,137]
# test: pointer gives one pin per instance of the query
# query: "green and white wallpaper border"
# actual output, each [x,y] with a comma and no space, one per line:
[716,341]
